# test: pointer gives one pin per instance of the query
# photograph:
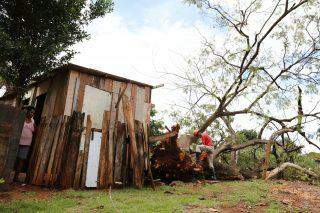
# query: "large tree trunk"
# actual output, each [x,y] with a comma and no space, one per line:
[283,166]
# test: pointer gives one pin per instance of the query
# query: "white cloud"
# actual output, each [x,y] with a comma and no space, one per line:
[142,53]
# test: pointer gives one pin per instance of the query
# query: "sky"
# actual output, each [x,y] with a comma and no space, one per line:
[142,40]
[145,39]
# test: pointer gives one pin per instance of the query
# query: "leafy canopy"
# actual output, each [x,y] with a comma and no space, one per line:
[37,35]
[156,124]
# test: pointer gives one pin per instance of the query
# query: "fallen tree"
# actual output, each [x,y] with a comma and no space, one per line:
[253,71]
[169,162]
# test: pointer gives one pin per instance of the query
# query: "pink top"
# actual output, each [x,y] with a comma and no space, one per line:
[27,133]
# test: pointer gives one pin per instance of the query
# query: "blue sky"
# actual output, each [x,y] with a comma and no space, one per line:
[142,39]
[153,12]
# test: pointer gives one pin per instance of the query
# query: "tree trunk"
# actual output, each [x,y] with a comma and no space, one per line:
[283,166]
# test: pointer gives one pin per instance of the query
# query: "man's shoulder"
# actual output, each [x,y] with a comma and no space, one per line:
[205,135]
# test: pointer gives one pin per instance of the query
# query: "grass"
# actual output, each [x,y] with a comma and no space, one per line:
[164,199]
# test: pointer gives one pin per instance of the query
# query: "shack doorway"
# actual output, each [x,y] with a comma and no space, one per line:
[39,108]
[37,118]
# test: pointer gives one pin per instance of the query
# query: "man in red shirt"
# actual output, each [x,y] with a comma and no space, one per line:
[207,146]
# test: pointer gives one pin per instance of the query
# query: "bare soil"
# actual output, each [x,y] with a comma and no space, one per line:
[20,191]
[299,195]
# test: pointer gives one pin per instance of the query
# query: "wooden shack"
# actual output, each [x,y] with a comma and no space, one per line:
[92,129]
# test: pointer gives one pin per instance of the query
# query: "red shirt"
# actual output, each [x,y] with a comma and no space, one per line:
[206,139]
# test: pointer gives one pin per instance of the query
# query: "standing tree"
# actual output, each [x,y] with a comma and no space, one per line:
[262,51]
[156,124]
[37,35]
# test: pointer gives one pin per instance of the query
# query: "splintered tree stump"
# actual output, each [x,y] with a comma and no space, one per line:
[169,162]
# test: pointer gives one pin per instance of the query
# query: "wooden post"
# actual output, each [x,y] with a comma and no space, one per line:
[86,150]
[72,150]
[60,156]
[58,152]
[41,175]
[128,113]
[35,150]
[146,149]
[118,161]
[103,151]
[48,175]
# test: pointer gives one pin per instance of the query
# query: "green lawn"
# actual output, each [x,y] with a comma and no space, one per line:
[251,195]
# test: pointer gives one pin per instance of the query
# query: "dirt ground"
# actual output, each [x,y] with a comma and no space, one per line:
[300,195]
[294,196]
[18,191]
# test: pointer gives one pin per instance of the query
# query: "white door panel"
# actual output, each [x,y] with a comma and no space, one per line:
[93,160]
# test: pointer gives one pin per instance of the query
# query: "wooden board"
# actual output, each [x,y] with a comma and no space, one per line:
[86,150]
[146,113]
[71,150]
[56,167]
[62,90]
[35,151]
[53,126]
[133,99]
[48,175]
[108,85]
[103,151]
[119,150]
[147,95]
[85,79]
[139,114]
[72,93]
[11,124]
[111,141]
[140,147]
[47,113]
[128,112]
[120,107]
[162,137]
[53,106]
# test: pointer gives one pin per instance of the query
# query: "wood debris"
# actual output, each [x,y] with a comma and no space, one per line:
[169,162]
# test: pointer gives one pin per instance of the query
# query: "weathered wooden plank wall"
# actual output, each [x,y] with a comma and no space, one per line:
[11,124]
[61,149]
[113,146]
[55,162]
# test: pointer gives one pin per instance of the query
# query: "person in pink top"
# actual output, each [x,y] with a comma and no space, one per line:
[25,140]
[206,146]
